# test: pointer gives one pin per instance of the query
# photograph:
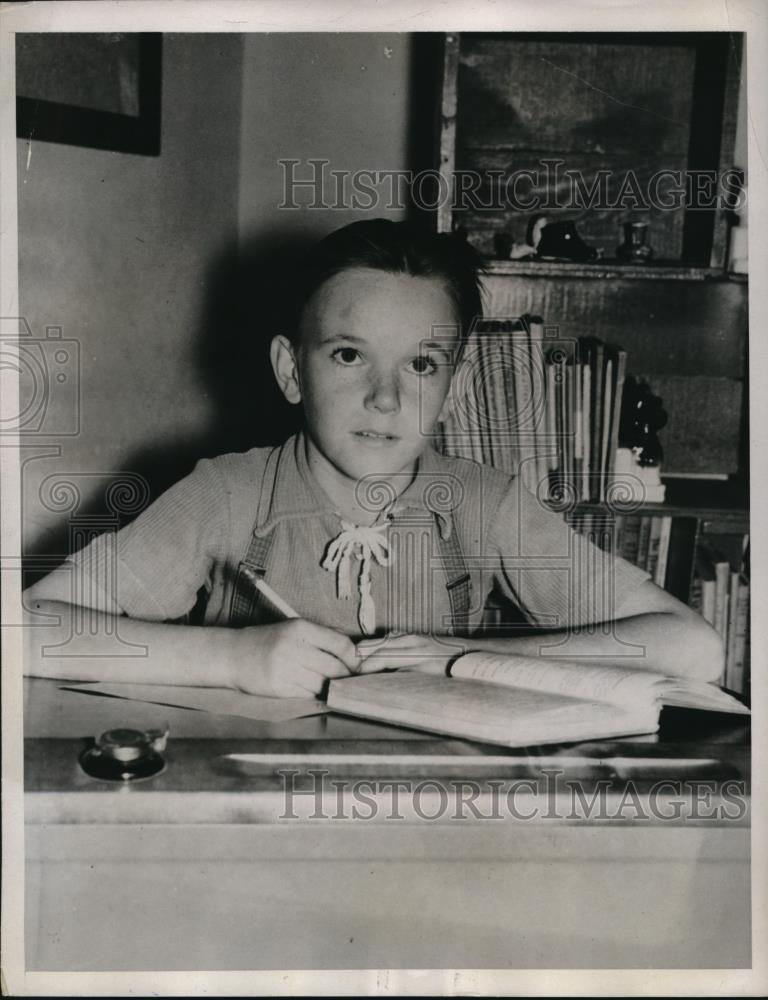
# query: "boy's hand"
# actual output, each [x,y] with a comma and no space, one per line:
[397,651]
[292,659]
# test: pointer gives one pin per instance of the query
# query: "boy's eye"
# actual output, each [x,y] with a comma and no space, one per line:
[423,365]
[346,356]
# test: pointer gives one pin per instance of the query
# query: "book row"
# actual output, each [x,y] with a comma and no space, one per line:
[643,540]
[720,592]
[531,402]
[709,572]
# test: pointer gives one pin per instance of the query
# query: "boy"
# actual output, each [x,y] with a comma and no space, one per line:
[357,522]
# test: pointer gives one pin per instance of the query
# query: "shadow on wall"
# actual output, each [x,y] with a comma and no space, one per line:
[247,293]
[248,287]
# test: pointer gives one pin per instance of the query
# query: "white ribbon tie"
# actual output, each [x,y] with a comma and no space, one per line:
[365,544]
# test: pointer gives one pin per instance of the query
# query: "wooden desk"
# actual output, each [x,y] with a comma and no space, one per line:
[201,868]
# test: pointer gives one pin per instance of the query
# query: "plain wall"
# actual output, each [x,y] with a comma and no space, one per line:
[115,249]
[339,97]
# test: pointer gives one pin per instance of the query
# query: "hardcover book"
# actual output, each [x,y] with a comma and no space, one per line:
[521,701]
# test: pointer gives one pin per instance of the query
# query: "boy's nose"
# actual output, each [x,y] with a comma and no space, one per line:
[383,395]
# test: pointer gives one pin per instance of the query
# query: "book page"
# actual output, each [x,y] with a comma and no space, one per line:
[687,694]
[617,685]
[518,717]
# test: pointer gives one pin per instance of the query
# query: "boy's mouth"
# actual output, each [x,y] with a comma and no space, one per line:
[369,435]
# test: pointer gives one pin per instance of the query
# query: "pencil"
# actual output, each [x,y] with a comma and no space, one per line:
[274,599]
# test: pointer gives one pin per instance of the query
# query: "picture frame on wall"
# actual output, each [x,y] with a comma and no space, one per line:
[111,102]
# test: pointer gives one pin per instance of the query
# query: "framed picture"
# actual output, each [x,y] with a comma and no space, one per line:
[613,112]
[96,89]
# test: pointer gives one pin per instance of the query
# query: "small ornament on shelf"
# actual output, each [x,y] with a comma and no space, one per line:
[506,248]
[547,240]
[635,248]
[560,241]
[638,459]
[635,482]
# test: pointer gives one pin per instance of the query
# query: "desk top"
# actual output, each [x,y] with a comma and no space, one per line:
[203,783]
[52,711]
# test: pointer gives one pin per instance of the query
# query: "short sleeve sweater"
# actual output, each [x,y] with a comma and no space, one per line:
[192,538]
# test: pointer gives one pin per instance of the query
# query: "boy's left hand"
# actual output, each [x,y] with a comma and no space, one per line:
[428,654]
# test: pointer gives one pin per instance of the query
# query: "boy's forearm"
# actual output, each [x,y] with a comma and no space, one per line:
[120,649]
[654,641]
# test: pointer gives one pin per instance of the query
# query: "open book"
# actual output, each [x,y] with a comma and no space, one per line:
[520,700]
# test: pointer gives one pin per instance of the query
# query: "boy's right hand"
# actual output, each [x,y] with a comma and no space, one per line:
[290,659]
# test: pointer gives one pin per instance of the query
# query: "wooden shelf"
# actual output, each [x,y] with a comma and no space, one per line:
[722,502]
[608,270]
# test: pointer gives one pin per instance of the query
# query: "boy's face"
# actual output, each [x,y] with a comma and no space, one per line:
[373,368]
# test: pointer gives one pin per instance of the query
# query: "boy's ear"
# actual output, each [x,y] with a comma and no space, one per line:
[450,400]
[286,370]
[447,408]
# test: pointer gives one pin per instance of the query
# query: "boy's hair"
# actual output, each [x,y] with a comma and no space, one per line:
[399,248]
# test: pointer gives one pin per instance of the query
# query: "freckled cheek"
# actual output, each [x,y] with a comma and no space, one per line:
[431,395]
[332,405]
[341,379]
[325,386]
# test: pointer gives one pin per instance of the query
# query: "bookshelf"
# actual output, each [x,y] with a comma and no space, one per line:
[605,270]
[508,103]
[610,104]
[714,502]
[513,411]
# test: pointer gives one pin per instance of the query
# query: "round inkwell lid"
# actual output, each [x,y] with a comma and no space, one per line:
[126,755]
[124,744]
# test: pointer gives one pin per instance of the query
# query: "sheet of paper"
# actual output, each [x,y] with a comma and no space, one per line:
[218,701]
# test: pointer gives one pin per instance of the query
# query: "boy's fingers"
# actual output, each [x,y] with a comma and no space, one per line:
[386,645]
[376,666]
[305,680]
[366,646]
[336,643]
[373,664]
[395,640]
[296,691]
[327,665]
[431,666]
[391,654]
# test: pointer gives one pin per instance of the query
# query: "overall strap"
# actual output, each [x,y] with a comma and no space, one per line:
[253,566]
[457,579]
